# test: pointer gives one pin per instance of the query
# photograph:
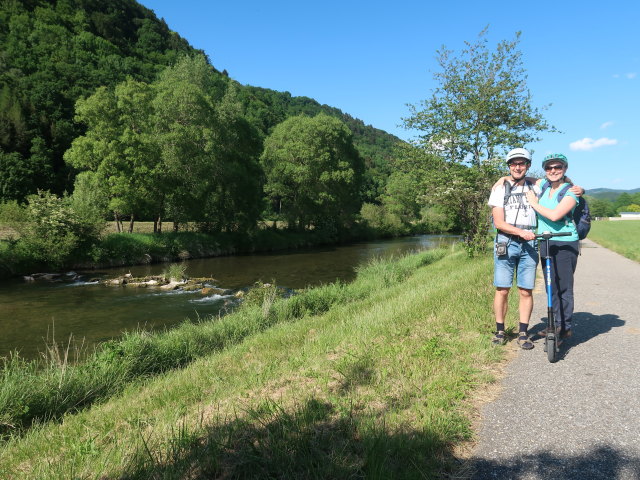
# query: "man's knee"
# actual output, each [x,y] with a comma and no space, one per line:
[525,292]
[502,292]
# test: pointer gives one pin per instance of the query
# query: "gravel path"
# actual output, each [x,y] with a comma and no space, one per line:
[580,417]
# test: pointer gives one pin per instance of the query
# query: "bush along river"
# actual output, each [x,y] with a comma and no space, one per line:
[86,308]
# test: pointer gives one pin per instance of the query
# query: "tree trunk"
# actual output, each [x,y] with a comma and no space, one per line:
[116,218]
[131,224]
[175,226]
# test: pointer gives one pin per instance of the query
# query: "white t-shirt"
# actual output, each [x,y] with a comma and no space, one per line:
[517,211]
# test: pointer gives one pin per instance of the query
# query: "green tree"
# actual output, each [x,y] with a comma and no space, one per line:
[186,125]
[119,146]
[313,172]
[208,149]
[600,207]
[90,198]
[424,190]
[622,200]
[21,174]
[481,108]
[401,195]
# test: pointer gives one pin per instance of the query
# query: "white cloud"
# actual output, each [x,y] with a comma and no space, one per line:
[606,125]
[631,75]
[615,75]
[587,144]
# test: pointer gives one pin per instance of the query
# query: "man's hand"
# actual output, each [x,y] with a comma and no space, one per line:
[528,235]
[577,190]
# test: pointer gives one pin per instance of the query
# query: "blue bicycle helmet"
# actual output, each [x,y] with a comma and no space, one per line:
[558,157]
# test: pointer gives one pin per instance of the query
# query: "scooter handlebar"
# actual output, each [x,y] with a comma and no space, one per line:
[548,235]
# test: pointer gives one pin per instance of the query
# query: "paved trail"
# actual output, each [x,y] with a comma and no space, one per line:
[580,417]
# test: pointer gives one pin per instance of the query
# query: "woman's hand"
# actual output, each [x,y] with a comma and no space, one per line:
[532,198]
[499,183]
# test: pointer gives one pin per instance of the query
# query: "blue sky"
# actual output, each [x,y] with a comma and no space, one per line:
[371,58]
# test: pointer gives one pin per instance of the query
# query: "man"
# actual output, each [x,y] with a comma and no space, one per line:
[515,249]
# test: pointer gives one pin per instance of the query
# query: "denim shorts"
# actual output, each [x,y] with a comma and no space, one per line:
[521,259]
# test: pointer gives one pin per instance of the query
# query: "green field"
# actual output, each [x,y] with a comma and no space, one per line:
[621,236]
[375,379]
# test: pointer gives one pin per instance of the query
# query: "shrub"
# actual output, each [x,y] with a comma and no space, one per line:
[49,230]
[175,271]
[385,222]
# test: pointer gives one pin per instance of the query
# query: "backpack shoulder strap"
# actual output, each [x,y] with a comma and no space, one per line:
[563,191]
[507,192]
[544,186]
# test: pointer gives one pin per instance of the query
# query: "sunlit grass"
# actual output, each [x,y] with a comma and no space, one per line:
[36,391]
[370,379]
[621,236]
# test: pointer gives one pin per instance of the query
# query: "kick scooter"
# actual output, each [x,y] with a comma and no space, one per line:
[551,339]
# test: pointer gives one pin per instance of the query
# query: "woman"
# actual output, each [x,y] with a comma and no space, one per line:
[554,215]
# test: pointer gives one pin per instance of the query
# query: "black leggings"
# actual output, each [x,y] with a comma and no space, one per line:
[564,259]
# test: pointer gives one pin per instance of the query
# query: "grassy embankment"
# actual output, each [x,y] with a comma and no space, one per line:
[622,237]
[373,379]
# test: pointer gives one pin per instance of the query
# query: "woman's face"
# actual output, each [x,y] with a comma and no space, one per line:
[555,171]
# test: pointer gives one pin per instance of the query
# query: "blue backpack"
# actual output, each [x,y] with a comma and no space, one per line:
[581,216]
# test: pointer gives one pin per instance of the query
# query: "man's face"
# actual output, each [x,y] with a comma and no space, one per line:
[518,168]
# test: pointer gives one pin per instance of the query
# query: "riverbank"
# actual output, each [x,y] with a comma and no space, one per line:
[374,378]
[118,250]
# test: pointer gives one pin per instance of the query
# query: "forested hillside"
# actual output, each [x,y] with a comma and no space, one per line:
[53,53]
[609,193]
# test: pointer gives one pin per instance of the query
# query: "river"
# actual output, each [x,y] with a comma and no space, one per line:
[33,314]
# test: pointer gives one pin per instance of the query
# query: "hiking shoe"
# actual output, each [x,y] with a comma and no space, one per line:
[560,333]
[499,338]
[543,333]
[524,341]
[564,335]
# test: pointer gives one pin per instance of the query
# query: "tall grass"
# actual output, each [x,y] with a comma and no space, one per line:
[35,392]
[621,236]
[175,272]
[377,386]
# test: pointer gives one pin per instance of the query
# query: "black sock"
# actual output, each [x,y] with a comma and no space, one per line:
[499,327]
[523,327]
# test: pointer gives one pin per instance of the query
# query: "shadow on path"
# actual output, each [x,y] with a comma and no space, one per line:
[603,462]
[586,326]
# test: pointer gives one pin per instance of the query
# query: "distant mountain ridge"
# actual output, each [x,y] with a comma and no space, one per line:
[608,193]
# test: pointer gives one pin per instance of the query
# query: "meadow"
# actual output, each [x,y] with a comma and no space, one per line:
[378,378]
[621,236]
